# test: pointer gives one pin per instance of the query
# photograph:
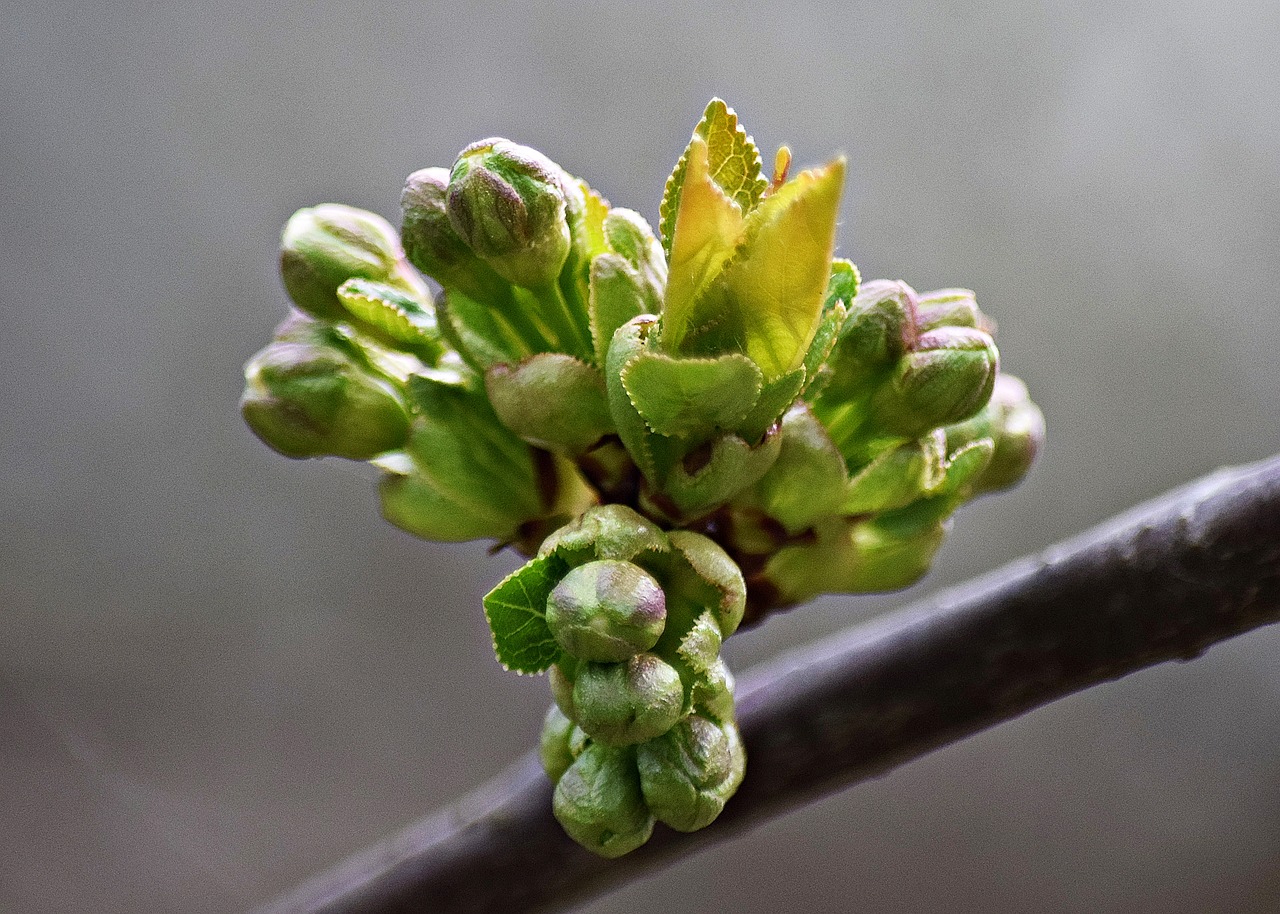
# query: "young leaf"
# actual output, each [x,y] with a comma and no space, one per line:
[392,317]
[734,166]
[776,282]
[517,614]
[706,230]
[688,396]
[617,294]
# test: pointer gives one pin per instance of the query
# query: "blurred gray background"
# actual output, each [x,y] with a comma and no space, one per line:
[219,670]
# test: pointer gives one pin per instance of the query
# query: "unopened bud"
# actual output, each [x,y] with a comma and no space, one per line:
[607,611]
[629,702]
[553,745]
[507,202]
[949,308]
[878,330]
[308,399]
[599,804]
[947,377]
[688,773]
[1016,427]
[324,246]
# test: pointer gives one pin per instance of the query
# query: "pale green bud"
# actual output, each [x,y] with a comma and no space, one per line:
[946,377]
[599,804]
[689,773]
[433,245]
[1016,427]
[607,611]
[949,308]
[629,702]
[507,202]
[307,396]
[324,246]
[879,329]
[553,745]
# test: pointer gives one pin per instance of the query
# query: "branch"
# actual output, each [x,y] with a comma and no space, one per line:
[1161,582]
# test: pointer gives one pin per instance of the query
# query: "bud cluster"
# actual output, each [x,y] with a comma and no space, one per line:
[681,429]
[642,728]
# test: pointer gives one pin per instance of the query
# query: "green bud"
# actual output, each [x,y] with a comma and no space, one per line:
[947,377]
[599,804]
[553,745]
[629,702]
[324,246]
[1014,424]
[713,692]
[607,611]
[434,247]
[689,773]
[306,396]
[551,400]
[878,330]
[507,202]
[560,677]
[949,308]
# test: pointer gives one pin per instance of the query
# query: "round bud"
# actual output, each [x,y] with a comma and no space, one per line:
[946,377]
[307,399]
[607,611]
[629,702]
[324,246]
[689,773]
[599,803]
[507,202]
[553,745]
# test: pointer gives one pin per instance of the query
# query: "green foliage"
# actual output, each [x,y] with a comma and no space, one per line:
[645,420]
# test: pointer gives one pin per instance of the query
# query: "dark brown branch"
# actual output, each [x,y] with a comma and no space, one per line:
[1162,582]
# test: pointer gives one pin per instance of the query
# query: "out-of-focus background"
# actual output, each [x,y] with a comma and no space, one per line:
[220,671]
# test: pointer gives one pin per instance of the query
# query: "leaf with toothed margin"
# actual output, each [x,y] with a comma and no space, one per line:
[617,294]
[775,398]
[691,397]
[706,232]
[392,317]
[700,646]
[517,614]
[768,299]
[731,466]
[733,164]
[723,589]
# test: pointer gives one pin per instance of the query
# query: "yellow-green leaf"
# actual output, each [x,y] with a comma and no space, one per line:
[776,282]
[707,228]
[734,166]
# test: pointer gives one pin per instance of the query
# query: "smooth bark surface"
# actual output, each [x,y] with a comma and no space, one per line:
[1161,582]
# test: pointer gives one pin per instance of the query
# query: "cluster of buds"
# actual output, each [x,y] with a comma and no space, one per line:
[629,620]
[682,430]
